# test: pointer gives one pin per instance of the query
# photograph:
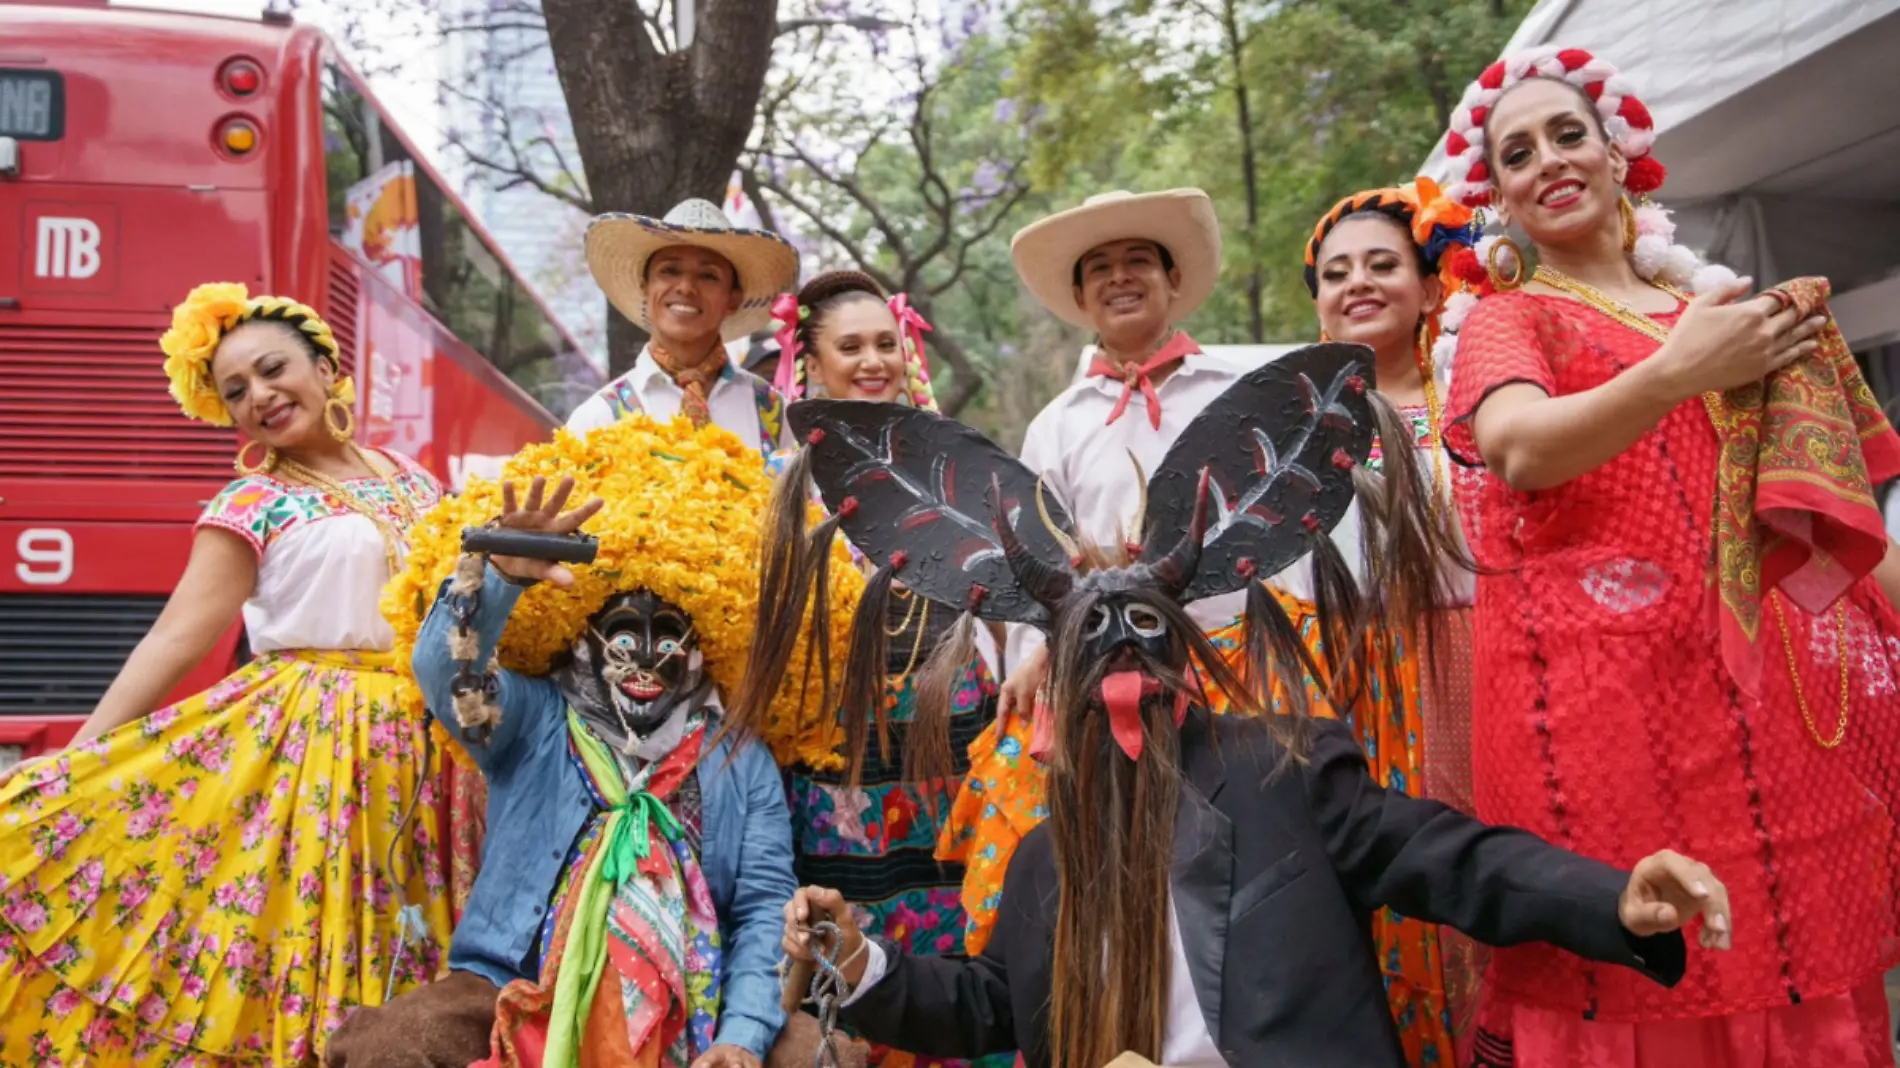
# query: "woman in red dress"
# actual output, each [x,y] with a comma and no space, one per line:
[1617,707]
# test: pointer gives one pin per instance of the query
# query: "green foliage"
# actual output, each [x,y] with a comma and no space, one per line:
[1094,95]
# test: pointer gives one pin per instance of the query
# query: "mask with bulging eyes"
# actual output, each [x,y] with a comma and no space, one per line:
[643,650]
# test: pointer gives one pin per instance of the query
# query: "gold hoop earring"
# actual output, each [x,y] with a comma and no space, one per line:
[263,465]
[1505,283]
[1627,212]
[338,419]
[1422,343]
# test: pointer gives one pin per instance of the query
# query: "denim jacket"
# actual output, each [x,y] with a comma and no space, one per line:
[537,806]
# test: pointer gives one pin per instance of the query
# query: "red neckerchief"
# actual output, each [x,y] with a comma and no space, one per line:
[1137,375]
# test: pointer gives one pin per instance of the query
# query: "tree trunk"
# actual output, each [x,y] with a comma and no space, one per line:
[1249,169]
[655,127]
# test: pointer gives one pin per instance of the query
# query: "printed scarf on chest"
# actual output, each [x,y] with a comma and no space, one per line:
[631,966]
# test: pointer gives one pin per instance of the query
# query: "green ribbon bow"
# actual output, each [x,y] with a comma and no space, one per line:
[633,837]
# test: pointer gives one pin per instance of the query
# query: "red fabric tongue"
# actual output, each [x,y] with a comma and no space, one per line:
[1121,695]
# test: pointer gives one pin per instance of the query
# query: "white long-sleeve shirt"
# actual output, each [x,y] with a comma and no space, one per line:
[1084,461]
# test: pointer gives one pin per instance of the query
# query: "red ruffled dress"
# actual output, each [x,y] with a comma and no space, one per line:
[1606,722]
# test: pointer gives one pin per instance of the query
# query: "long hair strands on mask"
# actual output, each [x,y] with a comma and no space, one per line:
[792,565]
[927,755]
[865,674]
[1113,820]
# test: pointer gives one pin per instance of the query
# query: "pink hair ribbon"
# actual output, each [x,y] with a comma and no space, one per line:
[789,313]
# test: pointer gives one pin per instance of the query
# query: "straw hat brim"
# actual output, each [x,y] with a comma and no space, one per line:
[1181,220]
[619,245]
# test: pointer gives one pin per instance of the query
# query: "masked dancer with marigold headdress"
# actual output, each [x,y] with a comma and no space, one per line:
[1201,891]
[637,851]
[1685,628]
[219,881]
[867,812]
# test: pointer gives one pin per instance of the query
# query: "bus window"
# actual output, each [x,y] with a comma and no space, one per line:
[346,141]
[465,284]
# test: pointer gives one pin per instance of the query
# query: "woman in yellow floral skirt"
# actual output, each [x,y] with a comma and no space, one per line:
[221,881]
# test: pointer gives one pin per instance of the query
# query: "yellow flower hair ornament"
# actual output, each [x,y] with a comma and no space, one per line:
[213,310]
[681,520]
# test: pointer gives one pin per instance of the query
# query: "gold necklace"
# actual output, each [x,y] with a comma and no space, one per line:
[917,643]
[1648,327]
[405,509]
[909,613]
[1630,317]
[1800,695]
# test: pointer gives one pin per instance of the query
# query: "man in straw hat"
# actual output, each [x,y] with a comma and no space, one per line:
[693,281]
[1129,267]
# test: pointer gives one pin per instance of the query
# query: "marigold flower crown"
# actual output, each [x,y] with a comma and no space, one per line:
[213,310]
[681,520]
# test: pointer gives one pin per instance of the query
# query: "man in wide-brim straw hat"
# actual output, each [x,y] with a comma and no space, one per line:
[1129,267]
[693,281]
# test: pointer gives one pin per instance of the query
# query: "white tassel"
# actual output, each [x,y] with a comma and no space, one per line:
[1650,256]
[472,710]
[1711,276]
[463,644]
[1679,266]
[1653,219]
[1457,307]
[1444,351]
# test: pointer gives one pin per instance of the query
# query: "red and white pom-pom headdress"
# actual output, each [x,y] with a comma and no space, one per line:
[1630,127]
[1624,118]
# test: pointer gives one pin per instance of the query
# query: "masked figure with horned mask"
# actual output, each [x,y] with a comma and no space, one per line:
[1201,891]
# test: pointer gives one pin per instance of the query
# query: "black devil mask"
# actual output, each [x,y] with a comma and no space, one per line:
[1255,483]
[637,661]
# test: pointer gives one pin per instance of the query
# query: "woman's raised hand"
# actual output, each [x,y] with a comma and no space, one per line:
[1723,340]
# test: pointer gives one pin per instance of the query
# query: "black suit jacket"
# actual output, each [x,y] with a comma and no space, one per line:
[1275,880]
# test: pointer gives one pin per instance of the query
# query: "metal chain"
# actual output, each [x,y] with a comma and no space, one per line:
[828,989]
[467,678]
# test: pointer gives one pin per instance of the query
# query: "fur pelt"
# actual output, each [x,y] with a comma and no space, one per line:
[444,1024]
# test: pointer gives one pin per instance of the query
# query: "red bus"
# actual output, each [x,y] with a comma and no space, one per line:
[140,154]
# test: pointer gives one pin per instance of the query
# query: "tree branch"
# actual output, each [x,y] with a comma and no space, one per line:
[831,231]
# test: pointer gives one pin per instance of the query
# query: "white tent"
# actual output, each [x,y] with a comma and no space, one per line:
[1779,121]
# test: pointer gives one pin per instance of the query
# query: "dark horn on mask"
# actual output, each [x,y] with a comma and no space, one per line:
[1046,584]
[1175,570]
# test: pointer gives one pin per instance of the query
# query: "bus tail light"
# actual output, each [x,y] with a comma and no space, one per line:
[237,137]
[240,78]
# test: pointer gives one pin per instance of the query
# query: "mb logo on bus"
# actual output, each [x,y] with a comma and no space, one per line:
[66,248]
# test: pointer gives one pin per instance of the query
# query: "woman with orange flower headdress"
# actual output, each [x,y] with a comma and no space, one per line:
[220,881]
[1373,266]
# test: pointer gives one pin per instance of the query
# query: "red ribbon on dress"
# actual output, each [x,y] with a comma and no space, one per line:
[1139,375]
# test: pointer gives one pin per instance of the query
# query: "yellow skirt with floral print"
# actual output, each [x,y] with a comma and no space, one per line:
[221,882]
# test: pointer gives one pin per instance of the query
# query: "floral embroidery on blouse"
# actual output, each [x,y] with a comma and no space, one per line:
[259,508]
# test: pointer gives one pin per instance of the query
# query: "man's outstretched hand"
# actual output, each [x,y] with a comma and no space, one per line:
[1666,890]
